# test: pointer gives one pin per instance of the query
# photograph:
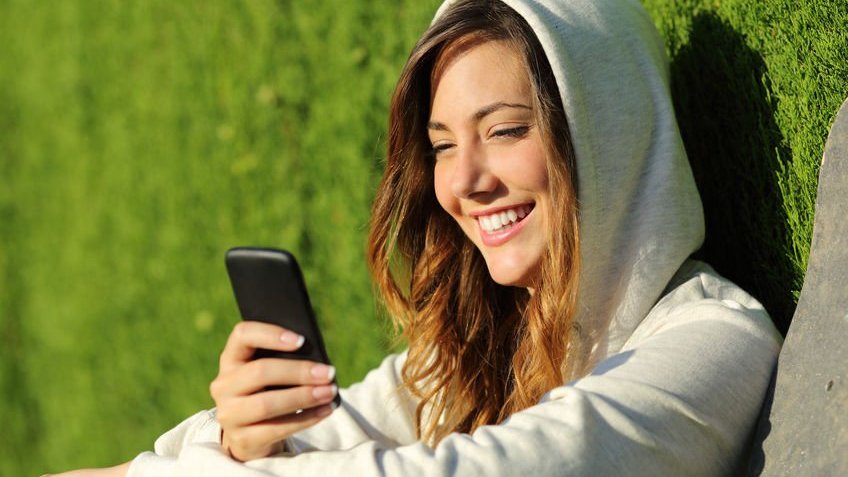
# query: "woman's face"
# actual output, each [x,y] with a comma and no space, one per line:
[490,173]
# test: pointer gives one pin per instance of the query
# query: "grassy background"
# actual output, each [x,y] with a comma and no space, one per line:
[141,139]
[756,86]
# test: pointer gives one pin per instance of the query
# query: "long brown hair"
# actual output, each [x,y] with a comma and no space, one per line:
[478,351]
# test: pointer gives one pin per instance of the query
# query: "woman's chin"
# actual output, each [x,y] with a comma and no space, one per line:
[511,276]
[518,262]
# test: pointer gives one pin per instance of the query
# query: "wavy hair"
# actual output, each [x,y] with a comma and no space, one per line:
[478,351]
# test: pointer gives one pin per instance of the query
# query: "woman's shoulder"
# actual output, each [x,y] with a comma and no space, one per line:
[699,294]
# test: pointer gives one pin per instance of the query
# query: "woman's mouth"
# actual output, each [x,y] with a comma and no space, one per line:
[503,219]
[498,227]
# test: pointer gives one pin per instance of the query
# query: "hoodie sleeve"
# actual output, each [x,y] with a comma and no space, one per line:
[681,401]
[377,409]
[374,410]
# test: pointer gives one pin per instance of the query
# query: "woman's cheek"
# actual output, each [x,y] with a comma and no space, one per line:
[442,186]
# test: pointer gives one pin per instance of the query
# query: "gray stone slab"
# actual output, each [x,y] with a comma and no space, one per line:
[804,432]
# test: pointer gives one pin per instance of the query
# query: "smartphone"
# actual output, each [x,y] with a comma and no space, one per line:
[269,287]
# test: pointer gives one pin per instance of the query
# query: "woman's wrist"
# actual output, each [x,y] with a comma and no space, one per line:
[279,448]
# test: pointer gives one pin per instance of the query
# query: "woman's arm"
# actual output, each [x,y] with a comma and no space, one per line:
[372,410]
[117,471]
[682,401]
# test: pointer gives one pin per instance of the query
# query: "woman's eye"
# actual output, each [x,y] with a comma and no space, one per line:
[514,132]
[441,147]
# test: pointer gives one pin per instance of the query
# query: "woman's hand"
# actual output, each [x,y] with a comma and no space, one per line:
[255,422]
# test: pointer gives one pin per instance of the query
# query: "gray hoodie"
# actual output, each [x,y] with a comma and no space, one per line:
[683,356]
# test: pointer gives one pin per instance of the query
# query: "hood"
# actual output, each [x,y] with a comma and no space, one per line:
[640,213]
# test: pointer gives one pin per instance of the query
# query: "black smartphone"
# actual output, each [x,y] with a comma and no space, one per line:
[269,287]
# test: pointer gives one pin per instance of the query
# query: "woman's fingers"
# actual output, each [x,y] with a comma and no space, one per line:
[254,420]
[258,374]
[258,440]
[248,336]
[267,406]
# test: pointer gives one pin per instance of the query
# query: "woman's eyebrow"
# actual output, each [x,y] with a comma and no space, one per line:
[436,126]
[481,113]
[487,110]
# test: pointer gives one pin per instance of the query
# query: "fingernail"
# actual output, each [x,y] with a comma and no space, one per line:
[324,411]
[289,337]
[324,392]
[323,371]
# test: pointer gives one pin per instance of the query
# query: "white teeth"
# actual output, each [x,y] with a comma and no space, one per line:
[496,221]
[487,224]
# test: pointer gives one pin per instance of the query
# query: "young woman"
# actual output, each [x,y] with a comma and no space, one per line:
[531,237]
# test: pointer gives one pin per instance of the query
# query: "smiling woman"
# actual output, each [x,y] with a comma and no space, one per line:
[531,239]
[498,148]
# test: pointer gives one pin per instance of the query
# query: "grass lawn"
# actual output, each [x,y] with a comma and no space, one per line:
[141,139]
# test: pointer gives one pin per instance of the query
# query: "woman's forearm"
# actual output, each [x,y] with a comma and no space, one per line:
[116,471]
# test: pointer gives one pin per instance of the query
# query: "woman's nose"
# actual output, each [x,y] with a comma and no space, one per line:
[471,174]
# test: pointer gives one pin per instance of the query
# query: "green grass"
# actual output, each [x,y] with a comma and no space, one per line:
[141,139]
[756,86]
